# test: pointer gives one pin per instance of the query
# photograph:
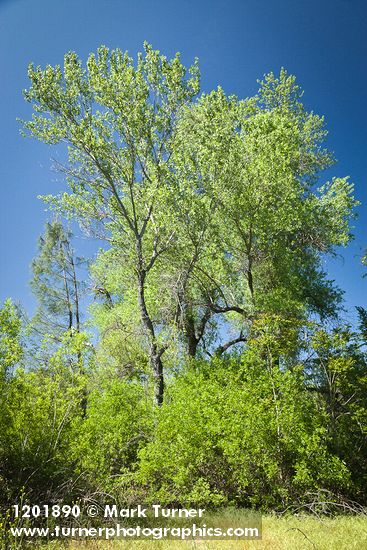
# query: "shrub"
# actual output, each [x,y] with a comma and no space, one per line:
[234,432]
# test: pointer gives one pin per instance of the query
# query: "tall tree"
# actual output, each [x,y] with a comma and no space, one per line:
[55,283]
[58,321]
[211,207]
[118,119]
[258,164]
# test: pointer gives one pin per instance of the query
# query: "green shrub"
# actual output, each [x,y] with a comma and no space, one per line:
[234,432]
[118,423]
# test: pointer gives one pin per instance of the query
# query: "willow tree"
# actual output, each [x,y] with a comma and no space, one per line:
[210,206]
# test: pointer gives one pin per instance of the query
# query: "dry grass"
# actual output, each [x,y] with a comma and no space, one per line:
[291,533]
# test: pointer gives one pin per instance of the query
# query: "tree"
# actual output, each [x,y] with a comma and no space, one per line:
[258,161]
[118,120]
[11,348]
[251,223]
[55,284]
[57,326]
[210,207]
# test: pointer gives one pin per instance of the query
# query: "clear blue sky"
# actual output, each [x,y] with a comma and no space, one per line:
[322,42]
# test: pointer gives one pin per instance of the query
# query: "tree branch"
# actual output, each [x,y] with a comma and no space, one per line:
[221,349]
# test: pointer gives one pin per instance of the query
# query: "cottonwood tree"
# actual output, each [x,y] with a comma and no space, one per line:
[258,164]
[211,207]
[118,120]
[251,223]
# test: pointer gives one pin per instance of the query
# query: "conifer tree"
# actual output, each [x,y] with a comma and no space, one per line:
[55,283]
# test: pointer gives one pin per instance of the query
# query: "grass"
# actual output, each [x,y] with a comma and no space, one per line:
[284,533]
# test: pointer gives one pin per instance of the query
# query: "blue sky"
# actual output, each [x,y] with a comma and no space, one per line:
[323,42]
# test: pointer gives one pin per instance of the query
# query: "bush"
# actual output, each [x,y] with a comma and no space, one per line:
[38,417]
[234,432]
[118,423]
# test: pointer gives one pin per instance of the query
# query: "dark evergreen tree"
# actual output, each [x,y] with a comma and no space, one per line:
[55,283]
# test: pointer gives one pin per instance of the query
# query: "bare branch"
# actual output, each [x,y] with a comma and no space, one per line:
[221,349]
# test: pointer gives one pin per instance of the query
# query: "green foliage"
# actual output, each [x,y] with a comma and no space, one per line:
[338,372]
[36,433]
[212,206]
[40,414]
[11,350]
[118,423]
[55,284]
[233,432]
[216,221]
[11,353]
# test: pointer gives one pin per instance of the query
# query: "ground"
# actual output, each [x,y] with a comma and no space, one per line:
[279,533]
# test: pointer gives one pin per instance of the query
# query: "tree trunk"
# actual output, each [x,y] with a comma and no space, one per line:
[76,293]
[191,339]
[155,354]
[157,368]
